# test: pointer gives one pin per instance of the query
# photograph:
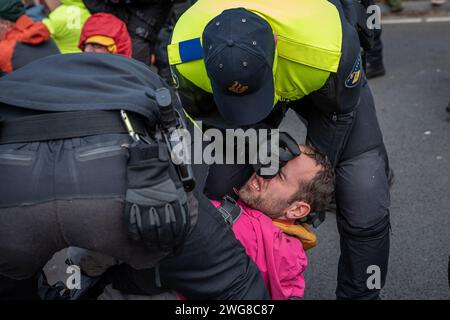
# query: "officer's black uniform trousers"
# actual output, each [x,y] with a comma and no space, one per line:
[70,192]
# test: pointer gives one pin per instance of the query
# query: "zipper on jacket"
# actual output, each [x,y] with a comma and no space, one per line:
[99,151]
[342,117]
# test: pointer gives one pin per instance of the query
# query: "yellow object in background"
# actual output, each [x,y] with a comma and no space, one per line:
[65,24]
[106,42]
[300,231]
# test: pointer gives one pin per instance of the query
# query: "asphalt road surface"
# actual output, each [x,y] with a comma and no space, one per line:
[410,101]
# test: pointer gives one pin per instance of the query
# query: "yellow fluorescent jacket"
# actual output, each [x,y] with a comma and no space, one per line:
[309,37]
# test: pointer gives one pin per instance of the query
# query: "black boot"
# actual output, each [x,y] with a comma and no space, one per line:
[374,70]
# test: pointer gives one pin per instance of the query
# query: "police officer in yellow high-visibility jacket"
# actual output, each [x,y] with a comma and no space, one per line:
[241,63]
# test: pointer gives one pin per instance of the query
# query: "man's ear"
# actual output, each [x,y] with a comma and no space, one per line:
[297,210]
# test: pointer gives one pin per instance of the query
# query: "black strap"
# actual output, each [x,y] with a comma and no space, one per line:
[230,210]
[314,218]
[65,125]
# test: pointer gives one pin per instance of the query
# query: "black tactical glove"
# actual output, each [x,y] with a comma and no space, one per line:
[156,204]
[287,149]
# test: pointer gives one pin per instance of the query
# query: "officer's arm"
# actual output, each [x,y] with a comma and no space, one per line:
[338,99]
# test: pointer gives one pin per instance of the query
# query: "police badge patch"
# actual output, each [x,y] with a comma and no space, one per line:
[354,77]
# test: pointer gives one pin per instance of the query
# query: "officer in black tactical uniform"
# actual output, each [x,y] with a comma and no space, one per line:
[83,163]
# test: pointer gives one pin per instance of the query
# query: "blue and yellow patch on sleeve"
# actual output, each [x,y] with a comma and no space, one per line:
[185,51]
[354,76]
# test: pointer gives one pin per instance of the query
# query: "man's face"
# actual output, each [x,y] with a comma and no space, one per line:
[272,196]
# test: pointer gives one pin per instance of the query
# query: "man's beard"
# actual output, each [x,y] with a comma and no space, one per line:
[249,198]
[270,207]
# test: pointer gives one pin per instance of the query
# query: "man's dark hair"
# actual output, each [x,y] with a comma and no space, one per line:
[319,191]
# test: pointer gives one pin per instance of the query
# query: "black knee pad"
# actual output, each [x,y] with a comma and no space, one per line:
[362,190]
[377,230]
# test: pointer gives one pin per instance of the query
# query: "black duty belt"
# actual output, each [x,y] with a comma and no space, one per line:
[65,125]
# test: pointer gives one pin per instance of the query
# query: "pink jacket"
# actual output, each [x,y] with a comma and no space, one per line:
[280,258]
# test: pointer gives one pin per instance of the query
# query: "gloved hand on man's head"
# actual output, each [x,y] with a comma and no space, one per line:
[285,149]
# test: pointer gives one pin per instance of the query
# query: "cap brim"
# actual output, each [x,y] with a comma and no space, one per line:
[250,108]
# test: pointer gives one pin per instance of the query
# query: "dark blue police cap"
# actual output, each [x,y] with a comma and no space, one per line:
[239,49]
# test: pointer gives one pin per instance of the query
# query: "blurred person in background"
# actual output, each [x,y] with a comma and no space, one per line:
[35,10]
[397,5]
[161,61]
[374,57]
[144,19]
[65,23]
[21,39]
[104,33]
